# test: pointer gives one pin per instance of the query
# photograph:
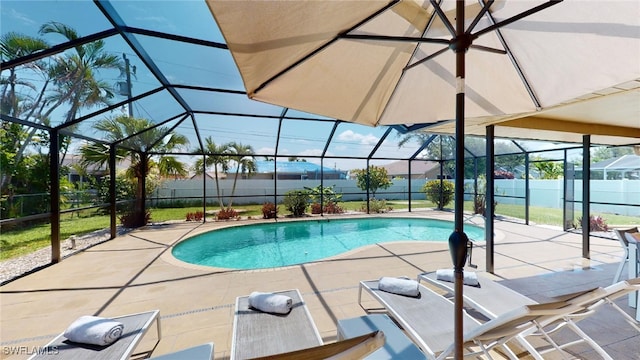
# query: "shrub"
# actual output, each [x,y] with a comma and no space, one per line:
[433,191]
[316,208]
[226,214]
[296,202]
[376,206]
[330,208]
[269,211]
[195,216]
[124,190]
[480,204]
[333,208]
[503,174]
[130,220]
[327,193]
[596,223]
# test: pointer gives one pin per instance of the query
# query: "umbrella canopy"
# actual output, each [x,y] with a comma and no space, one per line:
[386,62]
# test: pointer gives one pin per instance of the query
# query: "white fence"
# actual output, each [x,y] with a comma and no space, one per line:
[624,194]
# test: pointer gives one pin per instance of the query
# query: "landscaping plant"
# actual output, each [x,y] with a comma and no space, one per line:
[296,202]
[439,192]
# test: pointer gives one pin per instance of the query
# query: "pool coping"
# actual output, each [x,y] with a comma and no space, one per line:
[168,257]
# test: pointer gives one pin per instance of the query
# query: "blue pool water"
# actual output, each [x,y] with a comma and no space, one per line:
[270,245]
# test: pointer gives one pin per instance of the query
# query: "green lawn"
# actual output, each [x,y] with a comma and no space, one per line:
[23,241]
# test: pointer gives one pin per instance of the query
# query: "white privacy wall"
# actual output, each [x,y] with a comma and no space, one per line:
[549,193]
[543,193]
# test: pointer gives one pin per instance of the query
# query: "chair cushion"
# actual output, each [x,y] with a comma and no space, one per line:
[633,237]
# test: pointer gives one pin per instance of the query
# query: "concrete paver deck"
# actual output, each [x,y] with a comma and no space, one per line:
[136,272]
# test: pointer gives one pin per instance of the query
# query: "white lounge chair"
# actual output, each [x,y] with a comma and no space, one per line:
[199,352]
[135,327]
[624,242]
[257,334]
[493,299]
[429,320]
[354,348]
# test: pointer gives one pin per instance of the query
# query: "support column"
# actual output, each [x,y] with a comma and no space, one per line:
[489,198]
[143,202]
[54,201]
[586,194]
[409,184]
[527,190]
[112,191]
[204,188]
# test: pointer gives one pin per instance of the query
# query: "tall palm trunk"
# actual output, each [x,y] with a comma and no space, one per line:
[233,188]
[139,211]
[215,171]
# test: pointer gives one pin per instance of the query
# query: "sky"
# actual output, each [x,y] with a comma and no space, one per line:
[211,68]
[190,64]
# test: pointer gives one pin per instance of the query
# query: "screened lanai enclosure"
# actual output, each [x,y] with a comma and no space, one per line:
[115,110]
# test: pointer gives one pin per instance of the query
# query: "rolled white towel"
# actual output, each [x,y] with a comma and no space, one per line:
[401,286]
[270,302]
[94,330]
[469,278]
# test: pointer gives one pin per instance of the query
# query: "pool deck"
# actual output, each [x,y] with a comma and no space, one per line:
[135,272]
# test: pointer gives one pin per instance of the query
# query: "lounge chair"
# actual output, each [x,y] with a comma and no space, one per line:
[354,348]
[199,352]
[624,242]
[256,333]
[135,327]
[493,299]
[429,320]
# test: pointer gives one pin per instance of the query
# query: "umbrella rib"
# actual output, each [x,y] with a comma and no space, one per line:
[439,52]
[514,18]
[443,17]
[482,12]
[488,49]
[311,54]
[497,26]
[393,38]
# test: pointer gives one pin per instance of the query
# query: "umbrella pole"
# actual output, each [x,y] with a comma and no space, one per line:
[458,240]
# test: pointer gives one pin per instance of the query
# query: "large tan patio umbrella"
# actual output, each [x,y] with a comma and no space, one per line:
[389,62]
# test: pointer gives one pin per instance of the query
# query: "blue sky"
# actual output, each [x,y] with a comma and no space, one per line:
[207,67]
[196,65]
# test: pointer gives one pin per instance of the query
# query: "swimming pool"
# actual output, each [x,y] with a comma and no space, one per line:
[268,245]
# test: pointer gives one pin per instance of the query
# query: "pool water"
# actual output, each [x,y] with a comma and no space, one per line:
[277,244]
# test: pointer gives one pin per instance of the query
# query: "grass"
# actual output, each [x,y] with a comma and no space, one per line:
[19,242]
[24,241]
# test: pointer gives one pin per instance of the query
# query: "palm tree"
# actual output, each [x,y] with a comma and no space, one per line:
[74,76]
[242,155]
[141,140]
[217,157]
[12,46]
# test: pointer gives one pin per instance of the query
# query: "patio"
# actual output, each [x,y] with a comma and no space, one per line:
[135,272]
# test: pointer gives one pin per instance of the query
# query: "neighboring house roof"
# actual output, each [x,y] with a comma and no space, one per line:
[282,167]
[402,167]
[624,162]
[210,175]
[292,167]
[73,159]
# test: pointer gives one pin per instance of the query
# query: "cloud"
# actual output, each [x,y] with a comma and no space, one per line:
[362,139]
[310,152]
[21,17]
[265,150]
